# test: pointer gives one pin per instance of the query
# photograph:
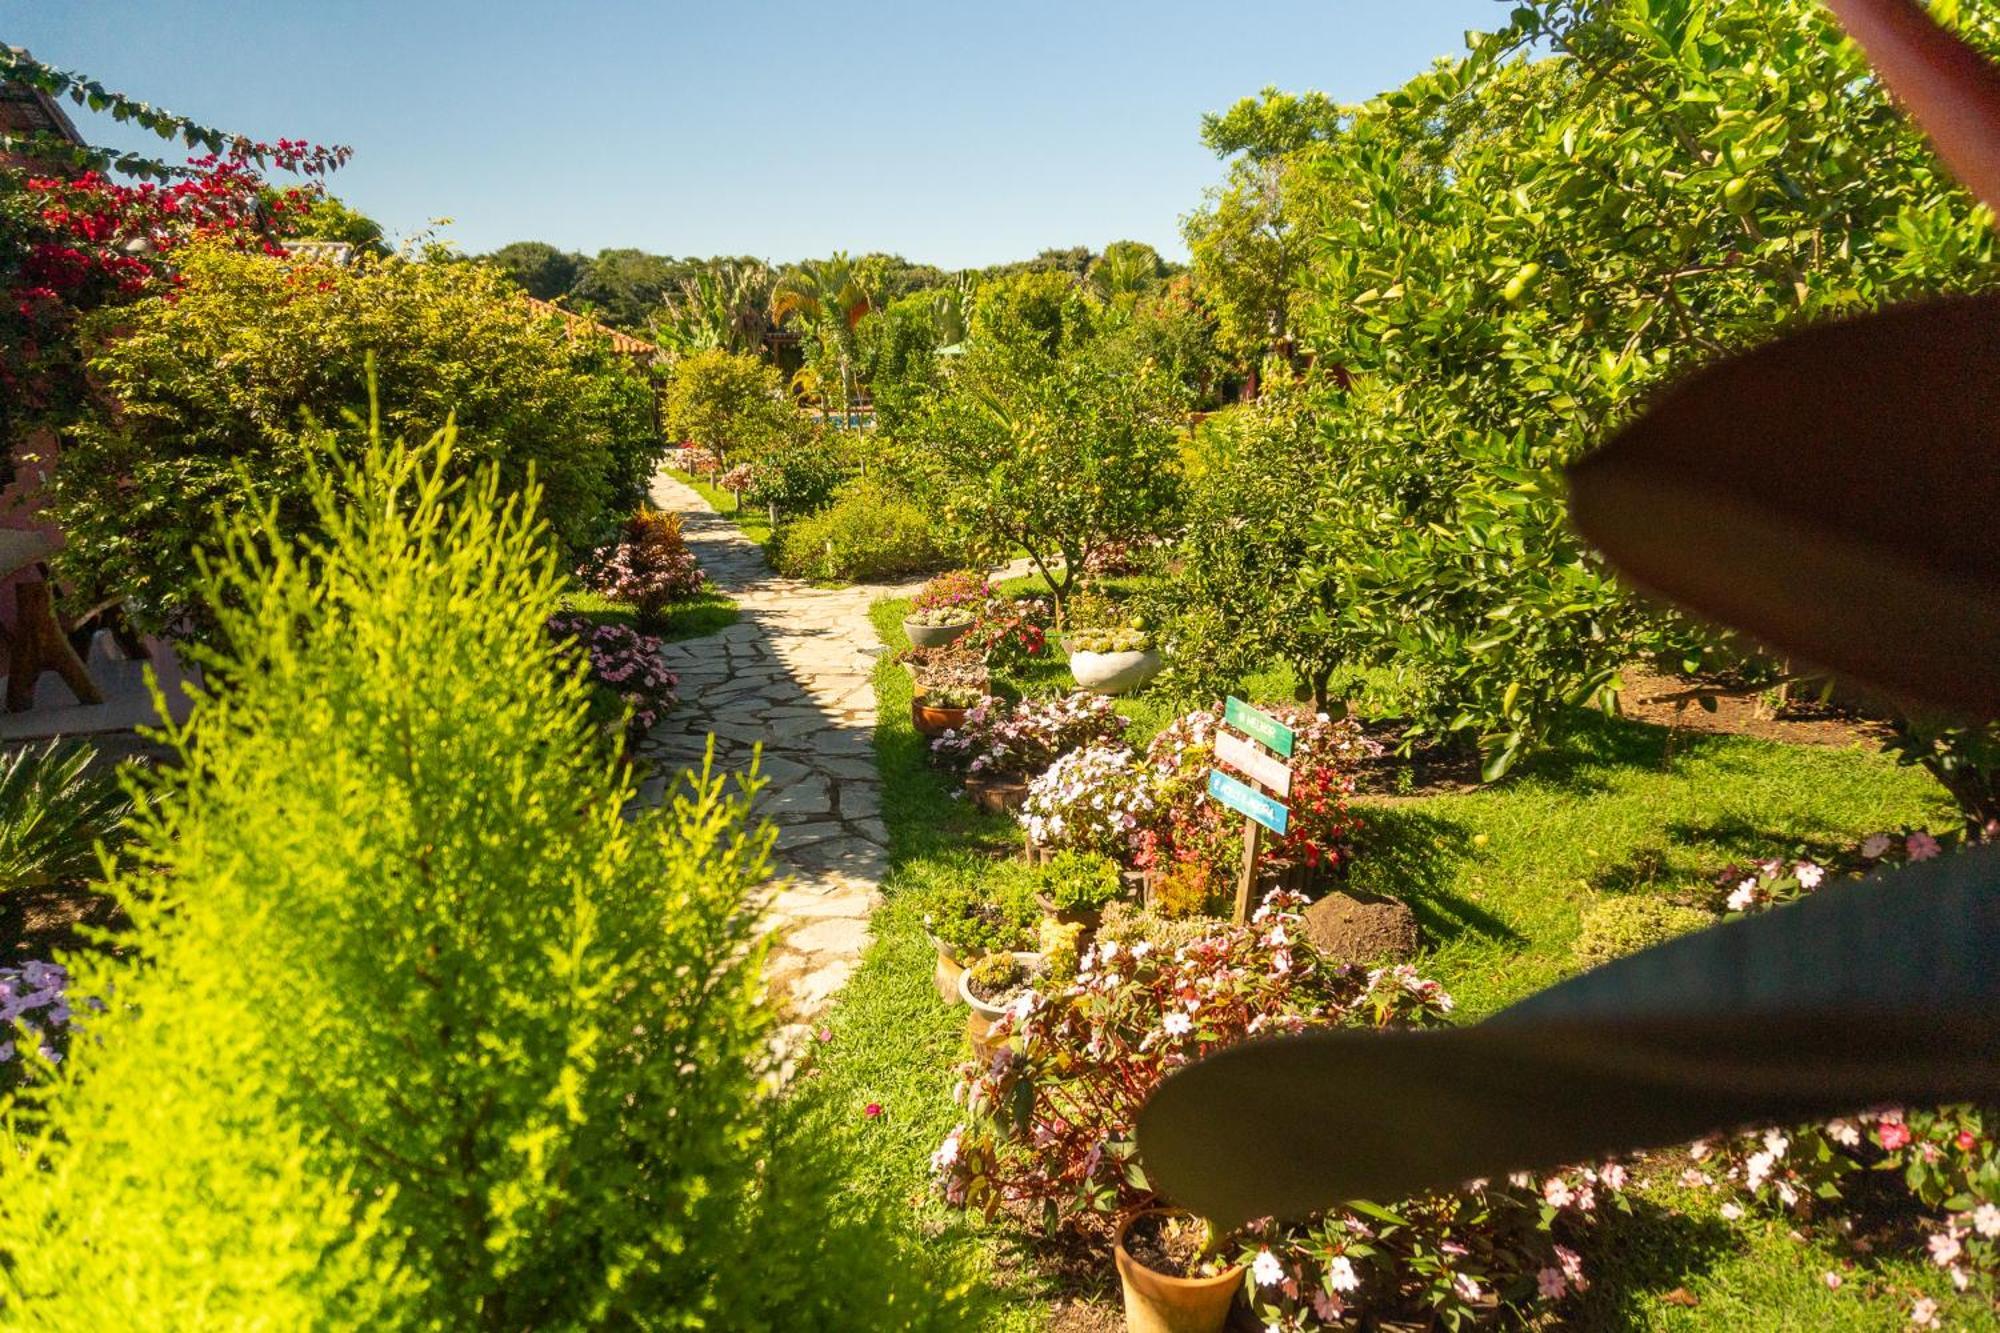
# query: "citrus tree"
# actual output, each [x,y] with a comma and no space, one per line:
[1516,248]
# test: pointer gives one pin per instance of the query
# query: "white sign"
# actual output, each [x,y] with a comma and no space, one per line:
[1254,762]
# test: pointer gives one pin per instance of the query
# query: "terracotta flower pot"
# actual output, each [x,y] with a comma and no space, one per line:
[1115,673]
[997,795]
[1157,1303]
[935,636]
[934,721]
[946,974]
[981,1016]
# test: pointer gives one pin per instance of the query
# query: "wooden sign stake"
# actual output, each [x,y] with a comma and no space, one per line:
[1246,878]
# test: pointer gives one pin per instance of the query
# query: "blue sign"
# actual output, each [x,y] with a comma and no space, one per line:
[1247,800]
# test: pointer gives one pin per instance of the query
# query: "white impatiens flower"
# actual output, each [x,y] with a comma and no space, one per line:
[1809,875]
[1844,1133]
[1775,1143]
[1266,1269]
[1877,846]
[1757,1169]
[1986,1221]
[1730,1212]
[1177,1024]
[1745,896]
[1340,1274]
[1945,1249]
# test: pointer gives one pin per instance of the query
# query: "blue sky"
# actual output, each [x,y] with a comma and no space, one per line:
[952,133]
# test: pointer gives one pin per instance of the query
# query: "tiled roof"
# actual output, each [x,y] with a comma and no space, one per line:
[579,327]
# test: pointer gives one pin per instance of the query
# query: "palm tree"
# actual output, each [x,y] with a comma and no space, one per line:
[721,306]
[1125,268]
[828,295]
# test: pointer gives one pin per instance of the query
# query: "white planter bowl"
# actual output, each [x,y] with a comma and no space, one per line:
[1115,673]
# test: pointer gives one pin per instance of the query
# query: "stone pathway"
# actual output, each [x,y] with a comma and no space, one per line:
[794,674]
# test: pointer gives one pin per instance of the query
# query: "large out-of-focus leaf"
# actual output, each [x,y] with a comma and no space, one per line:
[1836,493]
[1886,990]
[1952,90]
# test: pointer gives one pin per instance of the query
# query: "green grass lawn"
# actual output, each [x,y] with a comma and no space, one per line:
[1498,878]
[755,522]
[704,613]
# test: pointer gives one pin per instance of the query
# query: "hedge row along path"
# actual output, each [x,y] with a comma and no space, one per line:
[794,675]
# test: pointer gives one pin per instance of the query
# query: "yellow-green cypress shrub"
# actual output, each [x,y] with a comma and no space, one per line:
[416,1026]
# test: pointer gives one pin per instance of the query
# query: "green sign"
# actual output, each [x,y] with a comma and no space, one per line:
[1247,800]
[1258,725]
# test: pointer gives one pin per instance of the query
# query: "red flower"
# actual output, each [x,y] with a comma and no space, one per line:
[873,1110]
[1966,1140]
[1894,1134]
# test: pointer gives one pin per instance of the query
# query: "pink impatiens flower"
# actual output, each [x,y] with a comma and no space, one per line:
[1921,846]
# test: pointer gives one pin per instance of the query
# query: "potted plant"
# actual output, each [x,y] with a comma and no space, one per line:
[1112,661]
[1095,798]
[1073,887]
[937,626]
[1172,1277]
[990,988]
[937,709]
[968,921]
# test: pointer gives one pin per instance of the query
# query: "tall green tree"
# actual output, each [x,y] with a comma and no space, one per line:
[538,268]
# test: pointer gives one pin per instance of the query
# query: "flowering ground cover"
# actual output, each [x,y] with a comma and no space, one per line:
[1500,879]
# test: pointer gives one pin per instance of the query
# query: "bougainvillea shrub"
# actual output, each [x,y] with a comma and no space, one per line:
[75,243]
[1021,740]
[1192,836]
[1943,1161]
[649,566]
[1048,1131]
[624,662]
[1093,799]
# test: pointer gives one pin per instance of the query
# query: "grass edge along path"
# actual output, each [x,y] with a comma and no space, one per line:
[1677,1263]
[755,522]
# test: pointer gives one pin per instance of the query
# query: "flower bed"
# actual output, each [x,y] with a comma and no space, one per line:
[1944,1162]
[1022,740]
[1049,1131]
[1093,799]
[1195,843]
[625,662]
[33,1007]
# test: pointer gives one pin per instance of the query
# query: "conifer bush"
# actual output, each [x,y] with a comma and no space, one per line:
[414,1027]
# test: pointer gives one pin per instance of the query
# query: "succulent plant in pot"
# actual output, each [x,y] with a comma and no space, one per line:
[937,626]
[1115,660]
[938,709]
[998,985]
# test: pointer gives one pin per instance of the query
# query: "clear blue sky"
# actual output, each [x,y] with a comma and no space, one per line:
[954,133]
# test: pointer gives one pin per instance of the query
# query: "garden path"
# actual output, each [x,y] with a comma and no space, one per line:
[794,674]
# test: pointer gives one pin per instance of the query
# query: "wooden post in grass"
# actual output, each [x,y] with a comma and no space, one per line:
[1257,799]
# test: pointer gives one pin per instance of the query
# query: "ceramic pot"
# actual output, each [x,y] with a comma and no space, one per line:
[933,721]
[1157,1303]
[981,1016]
[946,974]
[934,636]
[1115,673]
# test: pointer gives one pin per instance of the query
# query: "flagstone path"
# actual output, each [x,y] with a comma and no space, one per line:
[794,674]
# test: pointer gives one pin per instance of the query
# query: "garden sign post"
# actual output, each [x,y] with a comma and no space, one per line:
[1261,759]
